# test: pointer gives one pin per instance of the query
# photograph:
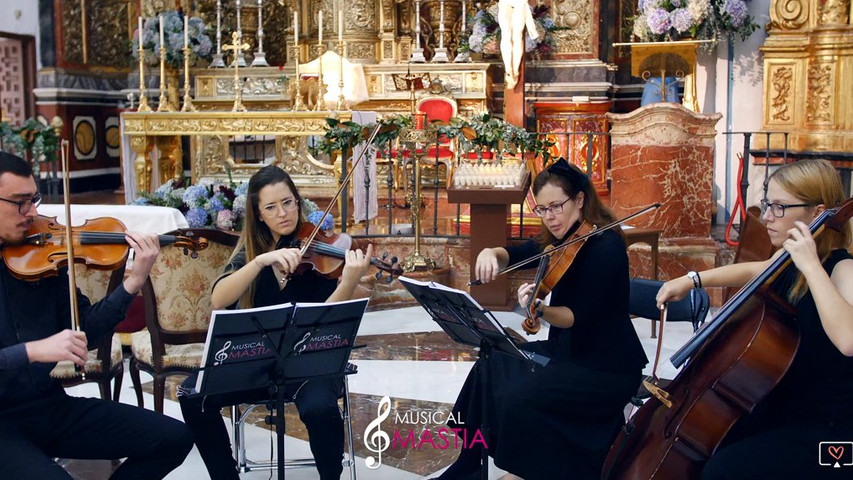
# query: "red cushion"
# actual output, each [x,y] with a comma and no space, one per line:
[474,156]
[443,152]
[135,320]
[437,109]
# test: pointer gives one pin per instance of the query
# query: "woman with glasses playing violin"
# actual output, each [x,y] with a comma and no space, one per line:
[256,276]
[813,402]
[559,420]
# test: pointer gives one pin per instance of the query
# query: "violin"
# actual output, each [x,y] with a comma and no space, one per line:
[326,254]
[551,269]
[99,243]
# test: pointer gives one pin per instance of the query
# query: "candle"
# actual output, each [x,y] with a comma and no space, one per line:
[340,26]
[186,31]
[382,18]
[295,28]
[140,31]
[160,21]
[320,34]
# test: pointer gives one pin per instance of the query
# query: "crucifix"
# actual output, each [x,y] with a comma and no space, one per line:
[238,85]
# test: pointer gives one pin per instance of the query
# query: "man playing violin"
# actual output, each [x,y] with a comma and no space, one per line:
[38,420]
[813,402]
[558,421]
[258,275]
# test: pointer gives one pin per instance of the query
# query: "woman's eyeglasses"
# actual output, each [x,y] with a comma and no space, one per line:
[541,210]
[778,209]
[288,205]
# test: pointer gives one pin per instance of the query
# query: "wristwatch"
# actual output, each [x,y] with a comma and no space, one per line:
[697,282]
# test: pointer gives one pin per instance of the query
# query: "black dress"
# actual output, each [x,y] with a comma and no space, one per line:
[559,421]
[316,400]
[813,403]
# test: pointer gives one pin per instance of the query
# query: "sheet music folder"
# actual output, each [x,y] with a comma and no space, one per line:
[464,320]
[244,347]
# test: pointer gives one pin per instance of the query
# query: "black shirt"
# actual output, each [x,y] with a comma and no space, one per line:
[32,311]
[596,288]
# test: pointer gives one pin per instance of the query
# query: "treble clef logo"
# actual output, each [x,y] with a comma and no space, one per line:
[221,356]
[377,441]
[299,346]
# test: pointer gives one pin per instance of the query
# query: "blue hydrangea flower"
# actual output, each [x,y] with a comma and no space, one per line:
[217,203]
[196,217]
[141,201]
[242,189]
[195,195]
[239,205]
[328,221]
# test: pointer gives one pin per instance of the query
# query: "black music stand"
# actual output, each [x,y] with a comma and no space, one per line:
[466,322]
[289,343]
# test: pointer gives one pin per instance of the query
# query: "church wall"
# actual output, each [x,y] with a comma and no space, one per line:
[21,17]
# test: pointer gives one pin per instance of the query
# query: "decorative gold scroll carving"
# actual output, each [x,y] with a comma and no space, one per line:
[821,85]
[361,51]
[789,14]
[782,78]
[579,16]
[833,12]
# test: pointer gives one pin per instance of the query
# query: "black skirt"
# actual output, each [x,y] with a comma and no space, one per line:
[556,421]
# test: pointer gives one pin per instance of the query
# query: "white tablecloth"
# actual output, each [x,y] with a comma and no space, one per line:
[138,218]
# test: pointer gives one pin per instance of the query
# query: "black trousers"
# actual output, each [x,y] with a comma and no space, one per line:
[57,425]
[316,401]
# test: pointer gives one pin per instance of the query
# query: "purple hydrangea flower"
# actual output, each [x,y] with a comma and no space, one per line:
[239,205]
[681,20]
[225,220]
[196,217]
[659,21]
[737,11]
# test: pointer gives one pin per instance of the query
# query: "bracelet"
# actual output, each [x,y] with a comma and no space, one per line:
[697,280]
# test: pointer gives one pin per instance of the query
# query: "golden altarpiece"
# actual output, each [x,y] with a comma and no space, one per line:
[378,34]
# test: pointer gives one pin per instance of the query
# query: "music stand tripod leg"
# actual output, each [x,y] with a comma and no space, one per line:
[485,355]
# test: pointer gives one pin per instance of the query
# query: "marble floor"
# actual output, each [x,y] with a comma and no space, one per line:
[406,358]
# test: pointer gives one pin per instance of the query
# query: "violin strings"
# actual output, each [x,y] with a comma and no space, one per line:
[326,249]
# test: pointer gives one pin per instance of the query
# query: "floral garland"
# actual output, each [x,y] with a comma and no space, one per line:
[484,33]
[662,20]
[173,37]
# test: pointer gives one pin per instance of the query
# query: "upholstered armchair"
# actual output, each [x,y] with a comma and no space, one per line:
[441,108]
[105,362]
[177,310]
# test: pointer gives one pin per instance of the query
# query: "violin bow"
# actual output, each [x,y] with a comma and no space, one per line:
[565,244]
[307,244]
[72,273]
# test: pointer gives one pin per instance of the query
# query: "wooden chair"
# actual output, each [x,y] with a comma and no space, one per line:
[177,310]
[753,244]
[104,364]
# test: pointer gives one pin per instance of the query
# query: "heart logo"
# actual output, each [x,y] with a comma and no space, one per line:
[836,451]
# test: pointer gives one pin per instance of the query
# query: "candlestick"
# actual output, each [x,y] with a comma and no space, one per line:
[340,26]
[188,101]
[260,59]
[342,101]
[143,99]
[163,102]
[238,55]
[217,57]
[320,25]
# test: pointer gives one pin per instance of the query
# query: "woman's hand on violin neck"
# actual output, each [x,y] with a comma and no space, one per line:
[356,265]
[284,259]
[674,290]
[145,247]
[524,293]
[487,266]
[65,345]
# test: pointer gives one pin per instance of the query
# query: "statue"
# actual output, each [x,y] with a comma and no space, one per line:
[513,16]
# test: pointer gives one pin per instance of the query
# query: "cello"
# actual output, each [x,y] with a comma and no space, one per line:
[735,361]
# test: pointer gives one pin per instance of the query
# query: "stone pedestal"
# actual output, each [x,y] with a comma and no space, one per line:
[664,153]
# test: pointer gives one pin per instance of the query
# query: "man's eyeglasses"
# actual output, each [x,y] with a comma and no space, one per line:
[288,205]
[541,210]
[778,209]
[24,206]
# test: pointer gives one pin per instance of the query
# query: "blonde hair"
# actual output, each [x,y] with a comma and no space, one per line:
[815,182]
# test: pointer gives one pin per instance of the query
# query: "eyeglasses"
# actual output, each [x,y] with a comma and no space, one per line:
[778,209]
[541,210]
[288,205]
[24,206]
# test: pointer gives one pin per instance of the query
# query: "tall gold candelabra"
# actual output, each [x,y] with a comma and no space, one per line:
[321,84]
[143,98]
[188,100]
[416,261]
[342,101]
[163,103]
[296,103]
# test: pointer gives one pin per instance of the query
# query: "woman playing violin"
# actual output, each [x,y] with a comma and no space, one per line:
[813,402]
[258,275]
[558,421]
